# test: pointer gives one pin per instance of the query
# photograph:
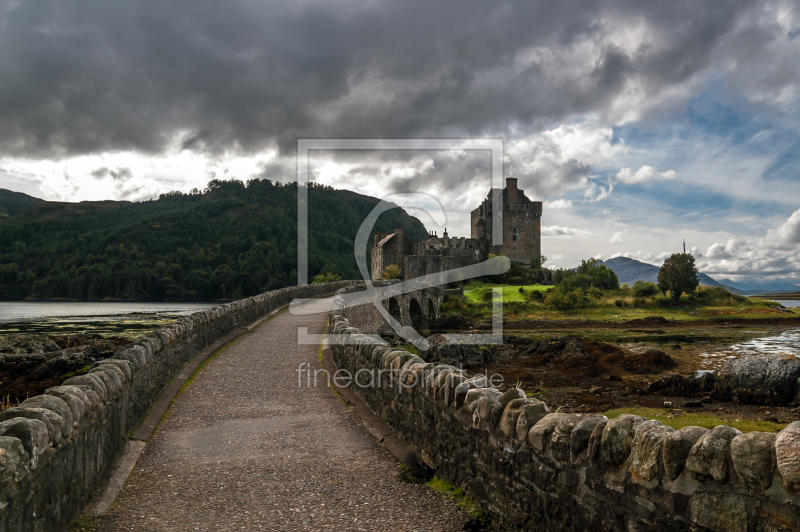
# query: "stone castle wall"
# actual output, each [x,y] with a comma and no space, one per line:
[56,448]
[536,470]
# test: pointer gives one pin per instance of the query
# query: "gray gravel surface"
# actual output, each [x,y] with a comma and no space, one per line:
[245,448]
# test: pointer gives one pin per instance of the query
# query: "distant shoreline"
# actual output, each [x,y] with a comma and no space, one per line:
[790,295]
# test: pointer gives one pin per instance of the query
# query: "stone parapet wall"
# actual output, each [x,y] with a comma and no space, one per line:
[56,448]
[532,469]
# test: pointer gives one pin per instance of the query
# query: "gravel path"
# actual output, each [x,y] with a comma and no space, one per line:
[245,448]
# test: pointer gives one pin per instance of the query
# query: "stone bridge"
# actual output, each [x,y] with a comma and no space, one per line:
[415,308]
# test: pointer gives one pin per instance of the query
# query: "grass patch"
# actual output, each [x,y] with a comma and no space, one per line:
[479,292]
[678,419]
[457,495]
[84,524]
[411,349]
[618,305]
[82,371]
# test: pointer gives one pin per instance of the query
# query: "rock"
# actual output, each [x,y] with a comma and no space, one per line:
[595,389]
[754,458]
[529,415]
[31,432]
[508,422]
[647,448]
[787,451]
[579,439]
[56,405]
[693,404]
[758,379]
[719,512]
[561,438]
[539,435]
[676,449]
[14,463]
[462,389]
[618,437]
[476,394]
[711,455]
[45,416]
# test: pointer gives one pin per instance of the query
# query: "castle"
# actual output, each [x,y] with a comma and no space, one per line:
[522,228]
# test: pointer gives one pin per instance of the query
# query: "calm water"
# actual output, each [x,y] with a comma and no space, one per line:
[128,320]
[25,310]
[788,342]
[788,302]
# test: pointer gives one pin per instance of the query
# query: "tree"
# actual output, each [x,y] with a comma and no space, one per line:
[392,271]
[325,278]
[678,274]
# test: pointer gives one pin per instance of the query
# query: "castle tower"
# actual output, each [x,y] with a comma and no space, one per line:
[522,224]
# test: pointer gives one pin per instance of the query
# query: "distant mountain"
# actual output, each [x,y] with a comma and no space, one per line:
[13,202]
[631,270]
[762,287]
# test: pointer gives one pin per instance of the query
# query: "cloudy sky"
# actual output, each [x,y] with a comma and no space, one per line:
[639,124]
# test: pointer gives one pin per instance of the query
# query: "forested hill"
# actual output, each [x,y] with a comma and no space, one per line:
[230,241]
[14,202]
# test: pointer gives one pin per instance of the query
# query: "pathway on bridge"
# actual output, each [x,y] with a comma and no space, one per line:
[245,448]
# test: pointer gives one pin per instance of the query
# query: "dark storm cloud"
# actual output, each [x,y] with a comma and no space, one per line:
[84,76]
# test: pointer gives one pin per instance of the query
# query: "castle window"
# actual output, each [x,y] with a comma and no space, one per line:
[514,234]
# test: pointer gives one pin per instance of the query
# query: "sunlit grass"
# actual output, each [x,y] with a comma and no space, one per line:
[677,419]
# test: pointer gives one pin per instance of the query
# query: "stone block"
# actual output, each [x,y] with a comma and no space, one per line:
[14,461]
[579,439]
[52,421]
[31,432]
[618,437]
[508,421]
[56,405]
[787,451]
[540,434]
[529,415]
[676,449]
[719,512]
[754,459]
[562,434]
[647,448]
[711,455]
[91,380]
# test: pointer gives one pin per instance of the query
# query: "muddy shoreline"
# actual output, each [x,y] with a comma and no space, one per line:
[608,365]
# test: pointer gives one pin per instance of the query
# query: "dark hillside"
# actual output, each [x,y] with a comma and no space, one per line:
[230,241]
[13,202]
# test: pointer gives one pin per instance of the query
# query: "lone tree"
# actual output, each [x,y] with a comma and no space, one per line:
[678,274]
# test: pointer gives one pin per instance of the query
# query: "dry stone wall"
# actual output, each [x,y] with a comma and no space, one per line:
[532,469]
[56,448]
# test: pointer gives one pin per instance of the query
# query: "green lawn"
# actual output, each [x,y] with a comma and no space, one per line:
[474,291]
[604,307]
[678,419]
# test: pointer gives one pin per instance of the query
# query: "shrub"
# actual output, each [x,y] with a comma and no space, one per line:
[644,289]
[521,289]
[326,278]
[624,286]
[535,295]
[716,296]
[392,271]
[453,303]
[561,299]
[620,303]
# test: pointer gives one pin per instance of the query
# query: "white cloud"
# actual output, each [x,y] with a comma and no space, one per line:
[643,174]
[557,231]
[789,231]
[558,204]
[617,238]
